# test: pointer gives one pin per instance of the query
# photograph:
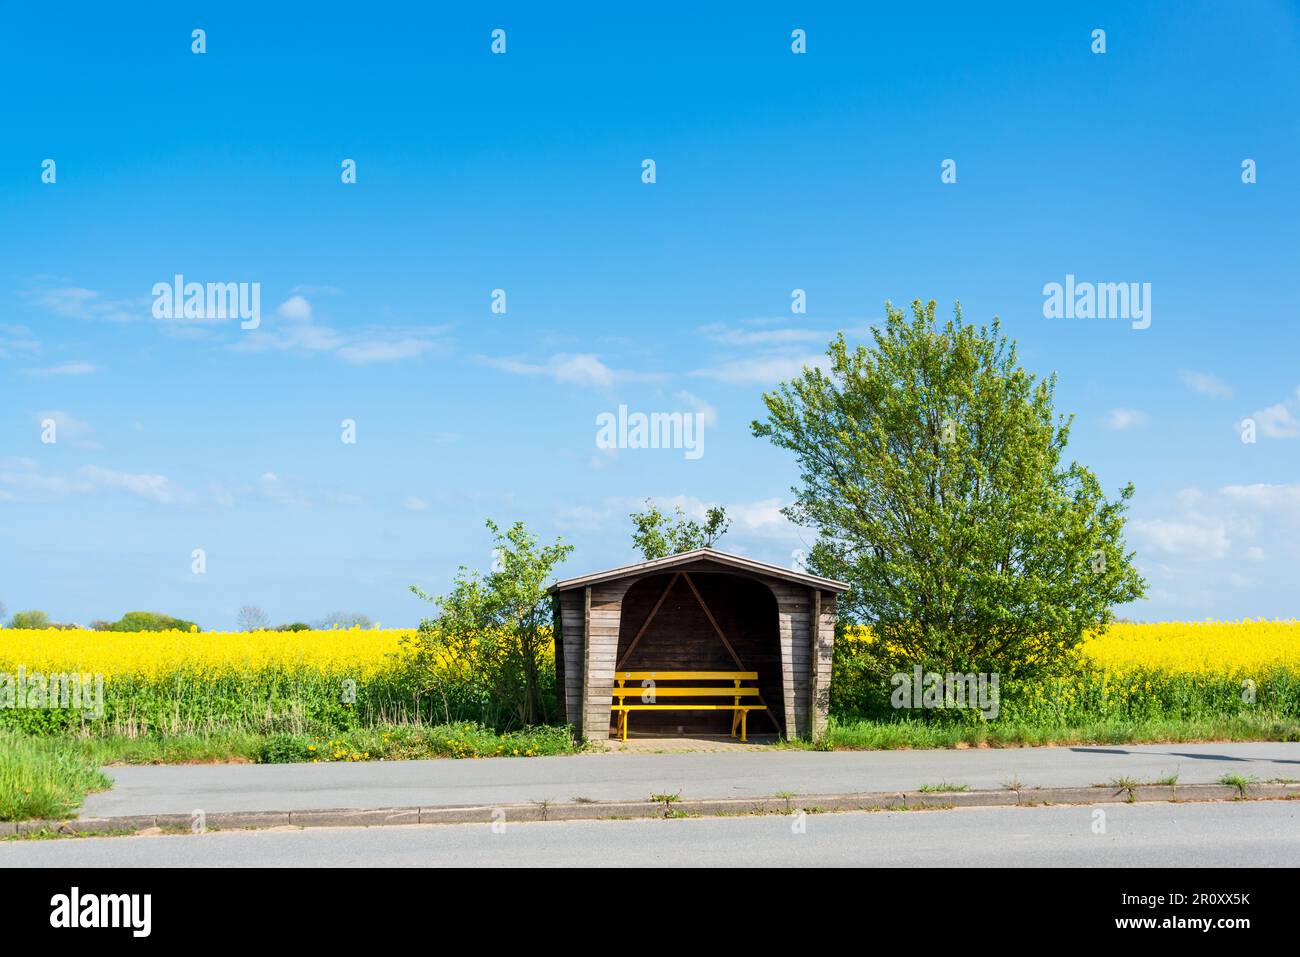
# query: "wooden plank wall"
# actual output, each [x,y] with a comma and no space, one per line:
[794,608]
[602,652]
[568,682]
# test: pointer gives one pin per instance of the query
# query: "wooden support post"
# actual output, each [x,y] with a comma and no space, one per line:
[586,658]
[814,652]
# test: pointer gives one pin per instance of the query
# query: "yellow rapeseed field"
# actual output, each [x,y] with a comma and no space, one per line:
[355,652]
[1198,647]
[1178,647]
[1175,647]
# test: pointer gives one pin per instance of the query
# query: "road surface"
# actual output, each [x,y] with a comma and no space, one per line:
[1236,834]
[182,789]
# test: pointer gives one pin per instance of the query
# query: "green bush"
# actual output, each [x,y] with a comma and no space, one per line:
[151,621]
[33,619]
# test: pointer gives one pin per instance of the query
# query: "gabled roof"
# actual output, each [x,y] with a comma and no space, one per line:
[685,558]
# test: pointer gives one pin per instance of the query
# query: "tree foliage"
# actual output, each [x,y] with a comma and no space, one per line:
[657,535]
[494,630]
[150,621]
[252,618]
[34,619]
[344,619]
[932,466]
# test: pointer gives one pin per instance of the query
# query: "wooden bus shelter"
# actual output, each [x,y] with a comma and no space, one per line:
[702,614]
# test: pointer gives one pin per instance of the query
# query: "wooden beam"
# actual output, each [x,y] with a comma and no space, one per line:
[712,621]
[649,618]
[586,657]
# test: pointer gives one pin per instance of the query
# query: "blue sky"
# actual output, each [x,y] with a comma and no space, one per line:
[522,172]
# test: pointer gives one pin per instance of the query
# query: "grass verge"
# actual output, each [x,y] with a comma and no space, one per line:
[844,735]
[44,777]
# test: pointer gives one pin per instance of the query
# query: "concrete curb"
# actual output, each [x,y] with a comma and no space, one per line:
[620,810]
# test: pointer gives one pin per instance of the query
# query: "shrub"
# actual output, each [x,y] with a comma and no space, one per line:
[151,621]
[33,619]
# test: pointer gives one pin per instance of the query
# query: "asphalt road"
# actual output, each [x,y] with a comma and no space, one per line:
[182,789]
[1239,834]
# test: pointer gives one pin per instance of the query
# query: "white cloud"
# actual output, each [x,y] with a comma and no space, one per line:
[365,351]
[76,302]
[729,335]
[1280,421]
[68,428]
[581,369]
[272,488]
[63,368]
[154,488]
[295,329]
[709,413]
[17,340]
[758,519]
[1206,384]
[295,307]
[25,477]
[1282,501]
[1196,538]
[413,504]
[760,370]
[1120,420]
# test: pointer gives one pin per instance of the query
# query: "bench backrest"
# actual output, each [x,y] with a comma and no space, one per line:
[685,676]
[647,684]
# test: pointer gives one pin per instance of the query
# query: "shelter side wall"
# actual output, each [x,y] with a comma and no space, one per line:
[824,651]
[602,652]
[568,656]
[794,607]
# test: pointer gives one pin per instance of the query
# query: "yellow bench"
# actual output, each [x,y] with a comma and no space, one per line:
[648,687]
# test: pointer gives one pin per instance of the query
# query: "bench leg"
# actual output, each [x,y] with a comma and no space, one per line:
[626,715]
[744,720]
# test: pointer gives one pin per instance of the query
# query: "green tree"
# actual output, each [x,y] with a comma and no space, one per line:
[344,619]
[931,466]
[150,621]
[494,630]
[30,619]
[252,618]
[658,535]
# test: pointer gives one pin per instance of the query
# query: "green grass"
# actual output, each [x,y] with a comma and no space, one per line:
[1242,784]
[379,743]
[942,787]
[44,777]
[863,735]
[48,776]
